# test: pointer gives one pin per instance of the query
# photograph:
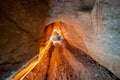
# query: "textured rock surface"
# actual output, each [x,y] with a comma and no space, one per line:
[20,25]
[65,62]
[105,35]
[96,31]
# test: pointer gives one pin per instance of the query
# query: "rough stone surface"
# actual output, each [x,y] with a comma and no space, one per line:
[65,62]
[90,25]
[106,34]
[20,25]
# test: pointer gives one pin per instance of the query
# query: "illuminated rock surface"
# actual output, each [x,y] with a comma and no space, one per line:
[89,25]
[65,62]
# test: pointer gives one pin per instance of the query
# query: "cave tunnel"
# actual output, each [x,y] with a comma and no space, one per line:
[59,40]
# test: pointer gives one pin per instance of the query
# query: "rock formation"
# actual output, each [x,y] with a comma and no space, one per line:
[89,25]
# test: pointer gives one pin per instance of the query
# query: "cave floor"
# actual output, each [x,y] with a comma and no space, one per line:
[65,62]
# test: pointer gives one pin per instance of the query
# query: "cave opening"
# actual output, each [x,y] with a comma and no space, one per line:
[51,32]
[56,37]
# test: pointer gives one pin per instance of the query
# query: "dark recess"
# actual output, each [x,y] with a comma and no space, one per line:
[86,5]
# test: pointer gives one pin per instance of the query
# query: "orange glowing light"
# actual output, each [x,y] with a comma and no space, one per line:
[20,75]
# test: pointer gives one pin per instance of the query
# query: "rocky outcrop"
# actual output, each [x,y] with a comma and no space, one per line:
[90,25]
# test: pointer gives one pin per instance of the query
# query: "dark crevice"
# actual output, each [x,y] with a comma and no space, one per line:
[86,6]
[49,56]
[6,63]
[104,2]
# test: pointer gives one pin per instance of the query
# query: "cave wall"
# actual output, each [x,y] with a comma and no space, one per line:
[21,22]
[96,31]
[105,34]
[90,25]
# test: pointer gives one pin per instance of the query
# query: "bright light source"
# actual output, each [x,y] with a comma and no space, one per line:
[56,37]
